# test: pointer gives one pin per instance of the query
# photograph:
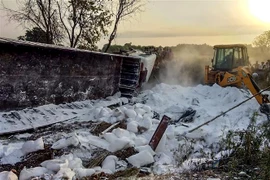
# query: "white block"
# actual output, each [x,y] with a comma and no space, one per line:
[26,174]
[141,159]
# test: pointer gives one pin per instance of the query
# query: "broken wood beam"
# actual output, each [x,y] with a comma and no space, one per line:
[162,126]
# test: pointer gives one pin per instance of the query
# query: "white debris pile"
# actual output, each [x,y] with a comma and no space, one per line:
[32,172]
[11,156]
[65,142]
[138,116]
[141,159]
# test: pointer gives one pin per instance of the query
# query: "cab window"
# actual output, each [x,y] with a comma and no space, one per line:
[238,58]
[245,57]
[223,58]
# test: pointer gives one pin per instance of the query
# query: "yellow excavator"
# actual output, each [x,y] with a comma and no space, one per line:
[231,67]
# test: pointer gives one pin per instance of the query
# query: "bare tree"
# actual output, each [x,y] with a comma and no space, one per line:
[124,8]
[37,13]
[82,22]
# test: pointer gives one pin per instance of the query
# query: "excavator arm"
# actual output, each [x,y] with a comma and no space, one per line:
[241,77]
[254,89]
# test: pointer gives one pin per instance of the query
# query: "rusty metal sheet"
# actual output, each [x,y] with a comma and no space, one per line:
[159,132]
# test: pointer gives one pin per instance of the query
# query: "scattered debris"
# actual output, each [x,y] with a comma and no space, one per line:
[33,159]
[187,116]
[102,131]
[109,128]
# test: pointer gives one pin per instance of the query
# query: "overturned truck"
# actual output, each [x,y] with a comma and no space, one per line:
[34,74]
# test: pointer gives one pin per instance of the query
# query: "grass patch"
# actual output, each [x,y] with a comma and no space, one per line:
[250,151]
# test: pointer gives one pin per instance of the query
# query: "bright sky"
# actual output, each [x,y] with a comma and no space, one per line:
[171,22]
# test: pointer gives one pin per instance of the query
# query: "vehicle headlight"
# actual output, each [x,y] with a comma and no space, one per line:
[255,75]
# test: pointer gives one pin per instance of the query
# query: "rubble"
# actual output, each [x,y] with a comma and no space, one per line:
[33,159]
[90,153]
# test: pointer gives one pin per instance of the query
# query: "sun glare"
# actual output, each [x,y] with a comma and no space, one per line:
[260,9]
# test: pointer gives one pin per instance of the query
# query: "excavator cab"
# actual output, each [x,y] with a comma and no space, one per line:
[228,57]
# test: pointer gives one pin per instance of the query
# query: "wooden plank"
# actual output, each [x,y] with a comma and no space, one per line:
[159,132]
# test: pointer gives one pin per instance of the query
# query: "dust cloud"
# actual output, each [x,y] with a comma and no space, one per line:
[258,54]
[187,65]
[186,68]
